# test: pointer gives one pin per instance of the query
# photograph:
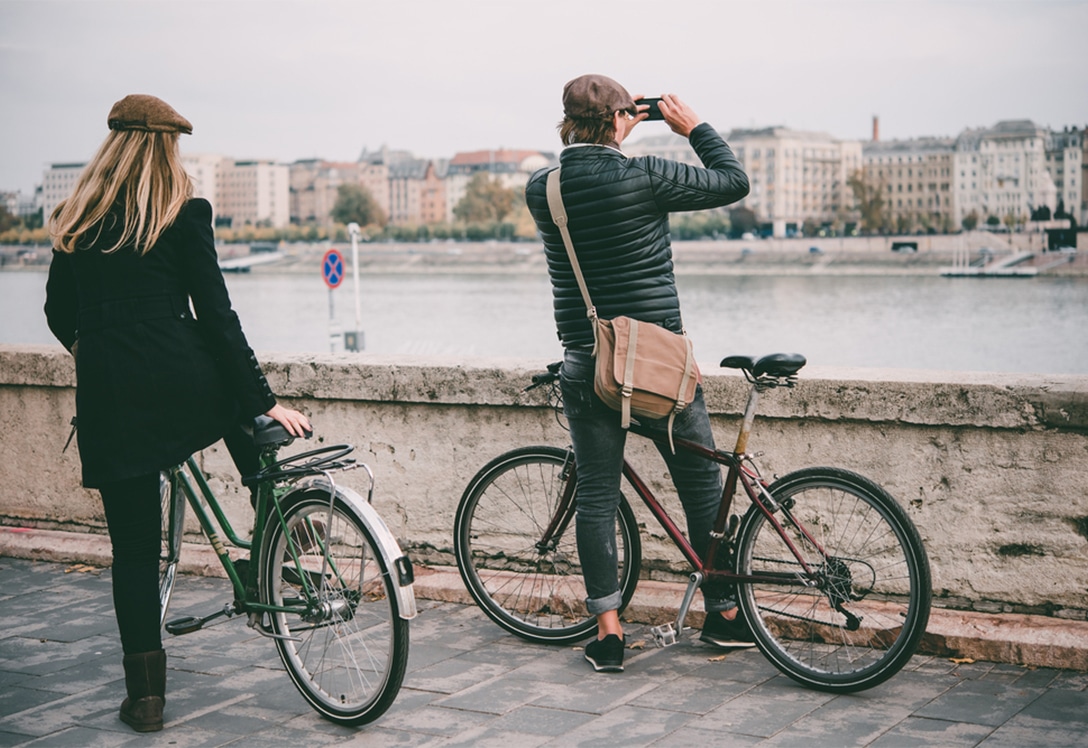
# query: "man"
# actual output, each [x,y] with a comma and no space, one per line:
[618,216]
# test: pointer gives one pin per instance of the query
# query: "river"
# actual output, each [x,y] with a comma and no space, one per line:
[1029,325]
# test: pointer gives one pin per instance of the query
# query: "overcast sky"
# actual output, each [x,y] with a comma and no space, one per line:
[325,79]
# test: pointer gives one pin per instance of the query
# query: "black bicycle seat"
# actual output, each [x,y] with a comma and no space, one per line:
[773,364]
[268,431]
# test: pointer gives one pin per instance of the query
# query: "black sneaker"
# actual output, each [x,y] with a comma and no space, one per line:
[721,632]
[606,655]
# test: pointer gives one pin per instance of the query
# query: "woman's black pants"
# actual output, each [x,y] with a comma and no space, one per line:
[133,515]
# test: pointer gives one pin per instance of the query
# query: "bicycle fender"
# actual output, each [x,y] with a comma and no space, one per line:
[395,561]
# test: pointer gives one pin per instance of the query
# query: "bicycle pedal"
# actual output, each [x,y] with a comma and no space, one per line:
[664,635]
[184,625]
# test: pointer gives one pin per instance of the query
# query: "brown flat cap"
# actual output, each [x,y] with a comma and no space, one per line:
[147,113]
[595,96]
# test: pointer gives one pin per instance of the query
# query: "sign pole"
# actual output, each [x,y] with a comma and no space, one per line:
[357,337]
[332,270]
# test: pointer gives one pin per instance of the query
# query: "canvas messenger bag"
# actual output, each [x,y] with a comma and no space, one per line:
[642,369]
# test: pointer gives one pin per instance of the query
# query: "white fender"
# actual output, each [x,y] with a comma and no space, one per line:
[399,565]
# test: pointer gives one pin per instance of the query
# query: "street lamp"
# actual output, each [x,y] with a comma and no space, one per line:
[353,341]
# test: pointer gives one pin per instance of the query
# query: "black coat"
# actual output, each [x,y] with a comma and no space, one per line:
[154,383]
[618,214]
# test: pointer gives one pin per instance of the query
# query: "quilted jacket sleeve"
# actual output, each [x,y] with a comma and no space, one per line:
[681,187]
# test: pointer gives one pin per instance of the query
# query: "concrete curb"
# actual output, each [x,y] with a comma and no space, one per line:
[1034,641]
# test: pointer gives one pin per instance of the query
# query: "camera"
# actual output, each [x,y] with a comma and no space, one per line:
[654,111]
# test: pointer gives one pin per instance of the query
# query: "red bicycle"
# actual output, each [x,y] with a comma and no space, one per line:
[830,572]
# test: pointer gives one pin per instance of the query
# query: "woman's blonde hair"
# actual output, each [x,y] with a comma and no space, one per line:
[138,171]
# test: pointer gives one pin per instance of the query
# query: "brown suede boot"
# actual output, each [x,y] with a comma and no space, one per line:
[145,681]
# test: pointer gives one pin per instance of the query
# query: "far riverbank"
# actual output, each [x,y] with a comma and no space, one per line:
[802,256]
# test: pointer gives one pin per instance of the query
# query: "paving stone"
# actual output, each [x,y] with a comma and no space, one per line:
[496,696]
[471,683]
[625,726]
[980,702]
[923,733]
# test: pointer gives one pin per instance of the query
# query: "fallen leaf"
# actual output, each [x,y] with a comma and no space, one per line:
[79,568]
[719,658]
[640,644]
[961,660]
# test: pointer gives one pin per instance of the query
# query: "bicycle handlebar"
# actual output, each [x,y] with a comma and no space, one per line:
[546,377]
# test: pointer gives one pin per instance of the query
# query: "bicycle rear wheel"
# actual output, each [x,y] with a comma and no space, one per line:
[172,500]
[530,590]
[345,646]
[863,618]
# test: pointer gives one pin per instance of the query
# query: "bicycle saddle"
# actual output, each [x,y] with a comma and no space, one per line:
[773,364]
[268,431]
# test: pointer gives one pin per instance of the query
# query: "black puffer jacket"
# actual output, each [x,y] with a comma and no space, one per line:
[618,213]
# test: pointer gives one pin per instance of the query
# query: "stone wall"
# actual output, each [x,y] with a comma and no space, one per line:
[992,468]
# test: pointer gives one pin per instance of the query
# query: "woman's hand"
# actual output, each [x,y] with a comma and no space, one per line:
[296,423]
[678,115]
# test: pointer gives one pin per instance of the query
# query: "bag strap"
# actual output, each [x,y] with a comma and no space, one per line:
[629,375]
[559,216]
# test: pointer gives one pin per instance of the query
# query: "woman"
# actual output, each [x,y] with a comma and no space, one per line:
[618,216]
[154,382]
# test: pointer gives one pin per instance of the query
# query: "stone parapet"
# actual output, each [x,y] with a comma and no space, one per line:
[992,468]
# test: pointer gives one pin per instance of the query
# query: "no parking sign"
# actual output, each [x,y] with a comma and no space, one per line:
[332,268]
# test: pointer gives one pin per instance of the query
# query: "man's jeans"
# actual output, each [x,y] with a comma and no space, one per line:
[598,443]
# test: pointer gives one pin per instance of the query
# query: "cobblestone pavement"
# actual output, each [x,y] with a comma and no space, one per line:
[470,684]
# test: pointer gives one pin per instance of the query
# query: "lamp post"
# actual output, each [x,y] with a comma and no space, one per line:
[353,341]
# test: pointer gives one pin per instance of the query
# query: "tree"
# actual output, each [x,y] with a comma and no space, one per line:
[741,221]
[354,204]
[970,221]
[7,220]
[870,200]
[485,201]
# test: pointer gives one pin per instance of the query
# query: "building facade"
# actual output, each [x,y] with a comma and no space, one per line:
[916,180]
[511,168]
[58,182]
[254,193]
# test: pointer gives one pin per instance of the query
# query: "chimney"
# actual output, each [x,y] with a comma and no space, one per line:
[876,128]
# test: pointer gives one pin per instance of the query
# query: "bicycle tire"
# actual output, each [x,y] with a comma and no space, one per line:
[172,503]
[537,595]
[875,568]
[347,654]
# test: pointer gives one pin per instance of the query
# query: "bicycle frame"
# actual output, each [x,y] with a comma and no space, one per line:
[206,506]
[741,470]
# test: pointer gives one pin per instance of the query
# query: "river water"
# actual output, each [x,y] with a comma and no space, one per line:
[1029,325]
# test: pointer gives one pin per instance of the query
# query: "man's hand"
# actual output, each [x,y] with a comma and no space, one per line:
[681,118]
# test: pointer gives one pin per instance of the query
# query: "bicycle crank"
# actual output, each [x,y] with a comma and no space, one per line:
[189,624]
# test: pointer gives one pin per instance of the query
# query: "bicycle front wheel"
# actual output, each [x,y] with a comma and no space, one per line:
[343,642]
[531,588]
[860,599]
[172,511]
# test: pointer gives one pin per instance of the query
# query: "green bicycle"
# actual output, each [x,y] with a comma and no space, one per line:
[326,580]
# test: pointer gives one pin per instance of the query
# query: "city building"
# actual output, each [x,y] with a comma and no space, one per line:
[798,176]
[254,193]
[1065,162]
[511,168]
[58,182]
[795,177]
[205,170]
[1002,173]
[915,177]
[315,186]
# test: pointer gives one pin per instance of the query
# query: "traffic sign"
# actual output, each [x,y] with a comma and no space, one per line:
[332,268]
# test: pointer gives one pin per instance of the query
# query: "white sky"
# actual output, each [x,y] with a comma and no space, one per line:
[290,79]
